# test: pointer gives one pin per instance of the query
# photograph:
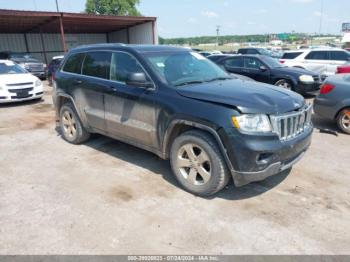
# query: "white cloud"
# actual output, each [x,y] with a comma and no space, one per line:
[209,14]
[317,13]
[192,20]
[251,23]
[260,11]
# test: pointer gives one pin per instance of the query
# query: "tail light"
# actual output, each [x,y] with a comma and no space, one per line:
[282,61]
[326,88]
[343,69]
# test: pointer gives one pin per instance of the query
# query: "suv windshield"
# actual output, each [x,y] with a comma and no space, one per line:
[11,69]
[183,68]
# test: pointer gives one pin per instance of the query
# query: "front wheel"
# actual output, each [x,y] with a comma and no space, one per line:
[284,84]
[198,164]
[343,120]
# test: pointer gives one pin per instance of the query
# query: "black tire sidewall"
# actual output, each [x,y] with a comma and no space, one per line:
[80,132]
[218,165]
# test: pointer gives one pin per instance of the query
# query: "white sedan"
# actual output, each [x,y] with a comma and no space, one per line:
[16,84]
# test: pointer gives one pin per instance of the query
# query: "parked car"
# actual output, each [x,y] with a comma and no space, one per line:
[343,69]
[26,61]
[322,61]
[333,102]
[254,51]
[53,66]
[268,70]
[16,84]
[180,106]
[208,53]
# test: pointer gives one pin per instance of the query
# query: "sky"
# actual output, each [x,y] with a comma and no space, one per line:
[186,18]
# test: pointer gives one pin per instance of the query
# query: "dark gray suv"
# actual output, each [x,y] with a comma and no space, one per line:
[181,106]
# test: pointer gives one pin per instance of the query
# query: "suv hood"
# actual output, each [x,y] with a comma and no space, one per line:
[247,96]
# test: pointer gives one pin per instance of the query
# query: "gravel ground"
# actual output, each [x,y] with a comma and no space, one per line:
[106,197]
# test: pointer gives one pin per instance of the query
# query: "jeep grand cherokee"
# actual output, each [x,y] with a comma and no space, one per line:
[180,106]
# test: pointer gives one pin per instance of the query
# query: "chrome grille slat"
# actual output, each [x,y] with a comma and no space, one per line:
[290,125]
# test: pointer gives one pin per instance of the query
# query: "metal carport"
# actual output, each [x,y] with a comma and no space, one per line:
[46,34]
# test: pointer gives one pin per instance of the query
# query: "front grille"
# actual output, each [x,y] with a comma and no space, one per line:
[35,67]
[21,97]
[20,84]
[21,90]
[290,125]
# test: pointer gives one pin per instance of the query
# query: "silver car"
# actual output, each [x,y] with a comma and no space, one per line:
[333,102]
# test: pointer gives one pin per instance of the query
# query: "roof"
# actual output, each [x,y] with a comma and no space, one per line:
[137,48]
[15,21]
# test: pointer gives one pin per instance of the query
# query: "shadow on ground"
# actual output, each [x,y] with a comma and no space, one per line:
[324,124]
[21,103]
[153,163]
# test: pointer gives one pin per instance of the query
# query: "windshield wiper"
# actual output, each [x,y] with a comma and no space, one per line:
[190,82]
[218,78]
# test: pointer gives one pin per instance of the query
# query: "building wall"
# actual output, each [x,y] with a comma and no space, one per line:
[140,34]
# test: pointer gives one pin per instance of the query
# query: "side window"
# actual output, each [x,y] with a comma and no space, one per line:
[122,65]
[242,51]
[317,55]
[339,56]
[234,62]
[73,64]
[3,56]
[97,64]
[291,55]
[252,63]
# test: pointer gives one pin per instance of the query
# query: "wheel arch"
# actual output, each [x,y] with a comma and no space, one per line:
[60,100]
[179,126]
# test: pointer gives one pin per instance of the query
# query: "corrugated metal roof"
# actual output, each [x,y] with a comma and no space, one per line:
[15,21]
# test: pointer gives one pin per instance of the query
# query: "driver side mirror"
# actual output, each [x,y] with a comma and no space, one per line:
[138,80]
[263,68]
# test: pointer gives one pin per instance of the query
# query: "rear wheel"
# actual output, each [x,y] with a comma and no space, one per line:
[343,120]
[71,127]
[284,83]
[198,164]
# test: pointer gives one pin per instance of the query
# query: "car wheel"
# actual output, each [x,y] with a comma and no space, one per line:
[72,129]
[284,84]
[198,164]
[343,120]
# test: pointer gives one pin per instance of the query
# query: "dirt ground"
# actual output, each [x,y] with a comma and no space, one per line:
[106,197]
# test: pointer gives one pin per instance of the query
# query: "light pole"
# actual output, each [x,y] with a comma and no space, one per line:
[217,34]
[321,18]
[58,10]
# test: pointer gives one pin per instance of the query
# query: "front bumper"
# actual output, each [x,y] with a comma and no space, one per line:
[255,158]
[305,88]
[40,74]
[7,97]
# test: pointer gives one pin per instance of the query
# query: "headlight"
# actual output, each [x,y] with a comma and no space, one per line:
[306,79]
[37,83]
[252,123]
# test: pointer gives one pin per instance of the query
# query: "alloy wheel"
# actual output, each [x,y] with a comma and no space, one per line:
[194,164]
[69,125]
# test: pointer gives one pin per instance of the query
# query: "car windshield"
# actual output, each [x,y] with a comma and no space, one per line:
[272,62]
[264,52]
[7,68]
[184,68]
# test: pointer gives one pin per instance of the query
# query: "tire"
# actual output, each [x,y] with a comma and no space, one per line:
[71,127]
[203,171]
[343,120]
[284,83]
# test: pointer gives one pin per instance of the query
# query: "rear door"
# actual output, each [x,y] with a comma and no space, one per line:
[234,65]
[317,61]
[93,83]
[129,110]
[337,58]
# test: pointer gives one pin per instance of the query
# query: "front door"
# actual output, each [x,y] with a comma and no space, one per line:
[129,111]
[253,68]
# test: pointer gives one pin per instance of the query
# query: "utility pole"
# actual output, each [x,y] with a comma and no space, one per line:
[58,10]
[217,34]
[321,18]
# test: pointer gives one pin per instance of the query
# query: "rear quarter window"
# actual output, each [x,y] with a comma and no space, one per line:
[291,55]
[73,64]
[339,55]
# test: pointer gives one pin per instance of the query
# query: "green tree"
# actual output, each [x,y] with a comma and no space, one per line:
[112,7]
